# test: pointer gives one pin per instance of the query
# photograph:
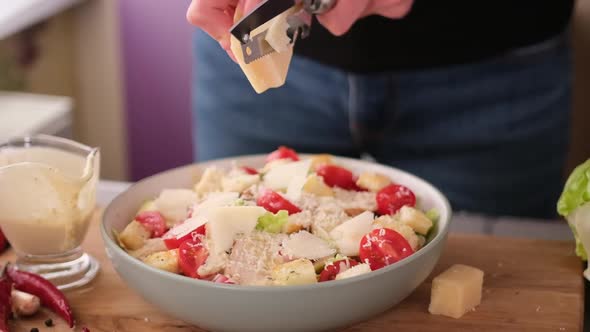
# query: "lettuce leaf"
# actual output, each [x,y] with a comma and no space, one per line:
[575,195]
[576,191]
[579,221]
[433,215]
[580,251]
[272,223]
[148,205]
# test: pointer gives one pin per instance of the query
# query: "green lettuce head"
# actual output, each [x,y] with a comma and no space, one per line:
[573,204]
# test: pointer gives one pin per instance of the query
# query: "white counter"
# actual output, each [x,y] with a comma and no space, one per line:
[16,15]
[28,114]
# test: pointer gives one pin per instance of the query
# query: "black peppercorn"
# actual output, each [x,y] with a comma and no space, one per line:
[34,329]
[49,322]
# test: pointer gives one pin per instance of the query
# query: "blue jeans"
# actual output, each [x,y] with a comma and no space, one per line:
[492,135]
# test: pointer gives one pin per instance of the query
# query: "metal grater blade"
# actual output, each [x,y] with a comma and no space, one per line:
[256,47]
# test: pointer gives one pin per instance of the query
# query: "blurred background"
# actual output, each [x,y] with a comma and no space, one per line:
[117,74]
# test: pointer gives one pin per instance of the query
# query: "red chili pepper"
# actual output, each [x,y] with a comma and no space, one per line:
[49,295]
[85,329]
[5,302]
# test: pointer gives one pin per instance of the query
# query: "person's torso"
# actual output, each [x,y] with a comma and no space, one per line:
[438,33]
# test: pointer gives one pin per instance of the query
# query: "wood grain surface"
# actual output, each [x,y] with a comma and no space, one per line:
[529,285]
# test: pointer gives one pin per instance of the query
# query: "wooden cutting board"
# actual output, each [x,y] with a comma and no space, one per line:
[529,285]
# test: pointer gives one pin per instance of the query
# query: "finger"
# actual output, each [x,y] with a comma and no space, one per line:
[225,44]
[250,4]
[232,56]
[390,8]
[341,18]
[211,16]
[231,11]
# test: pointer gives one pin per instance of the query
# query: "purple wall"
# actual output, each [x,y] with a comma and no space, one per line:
[156,46]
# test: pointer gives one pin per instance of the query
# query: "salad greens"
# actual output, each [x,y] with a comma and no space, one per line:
[433,215]
[574,205]
[576,191]
[272,223]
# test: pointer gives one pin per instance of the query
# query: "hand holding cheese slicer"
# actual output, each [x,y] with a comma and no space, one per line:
[299,24]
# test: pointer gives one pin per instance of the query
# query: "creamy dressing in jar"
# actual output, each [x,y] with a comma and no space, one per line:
[47,197]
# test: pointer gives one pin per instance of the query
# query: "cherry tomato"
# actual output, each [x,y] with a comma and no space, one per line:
[336,176]
[152,221]
[191,255]
[382,247]
[331,270]
[274,202]
[173,242]
[393,197]
[222,279]
[249,170]
[282,152]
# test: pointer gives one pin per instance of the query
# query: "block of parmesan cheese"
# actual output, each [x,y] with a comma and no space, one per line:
[456,291]
[271,70]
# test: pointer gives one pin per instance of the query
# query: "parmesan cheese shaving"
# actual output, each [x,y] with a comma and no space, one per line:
[295,187]
[348,235]
[210,181]
[354,271]
[306,245]
[173,204]
[187,226]
[281,176]
[227,222]
[216,261]
[213,200]
[239,182]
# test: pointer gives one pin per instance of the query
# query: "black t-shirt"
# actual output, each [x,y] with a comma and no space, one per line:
[438,32]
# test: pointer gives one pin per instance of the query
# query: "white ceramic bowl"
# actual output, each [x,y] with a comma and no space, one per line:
[319,307]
